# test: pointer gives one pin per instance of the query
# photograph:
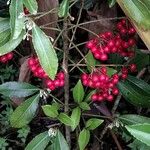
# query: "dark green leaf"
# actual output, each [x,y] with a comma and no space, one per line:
[93,123]
[84,106]
[31,5]
[65,119]
[115,59]
[24,113]
[84,138]
[17,89]
[78,92]
[137,145]
[141,60]
[111,3]
[59,142]
[111,71]
[135,91]
[138,10]
[45,51]
[39,142]
[63,8]
[4,31]
[11,44]
[131,119]
[140,132]
[75,117]
[16,18]
[50,111]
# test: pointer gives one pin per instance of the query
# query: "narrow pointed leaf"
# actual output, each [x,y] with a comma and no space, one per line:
[63,8]
[139,11]
[75,117]
[135,91]
[140,132]
[11,44]
[131,119]
[17,89]
[16,18]
[31,5]
[45,51]
[84,106]
[39,142]
[24,113]
[84,138]
[78,92]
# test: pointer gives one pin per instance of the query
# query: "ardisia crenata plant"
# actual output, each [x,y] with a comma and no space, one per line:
[60,91]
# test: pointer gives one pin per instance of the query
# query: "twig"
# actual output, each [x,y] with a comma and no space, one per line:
[116,140]
[65,68]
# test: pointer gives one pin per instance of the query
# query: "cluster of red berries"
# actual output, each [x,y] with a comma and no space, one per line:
[38,71]
[5,58]
[106,86]
[108,42]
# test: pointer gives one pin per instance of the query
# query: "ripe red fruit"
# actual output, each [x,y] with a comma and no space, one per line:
[132,67]
[61,75]
[103,57]
[103,70]
[3,59]
[110,98]
[100,98]
[31,62]
[131,42]
[94,97]
[111,43]
[90,44]
[115,91]
[9,56]
[95,78]
[124,76]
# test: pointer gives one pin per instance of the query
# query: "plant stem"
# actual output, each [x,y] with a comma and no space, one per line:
[65,68]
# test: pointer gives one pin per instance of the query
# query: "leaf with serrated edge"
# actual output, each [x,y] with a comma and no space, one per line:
[39,142]
[24,113]
[45,51]
[140,132]
[31,5]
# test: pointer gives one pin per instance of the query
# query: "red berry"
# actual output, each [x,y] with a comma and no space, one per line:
[115,91]
[61,75]
[103,57]
[124,76]
[9,56]
[131,42]
[100,98]
[110,98]
[103,70]
[95,78]
[94,97]
[133,67]
[3,59]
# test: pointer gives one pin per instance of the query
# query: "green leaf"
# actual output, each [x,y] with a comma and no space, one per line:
[84,138]
[24,113]
[17,89]
[78,92]
[115,59]
[11,44]
[4,31]
[16,18]
[137,145]
[59,142]
[39,142]
[50,111]
[93,123]
[139,11]
[131,119]
[91,61]
[140,132]
[111,71]
[141,60]
[111,3]
[63,8]
[84,106]
[31,5]
[65,119]
[45,51]
[88,97]
[135,91]
[75,117]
